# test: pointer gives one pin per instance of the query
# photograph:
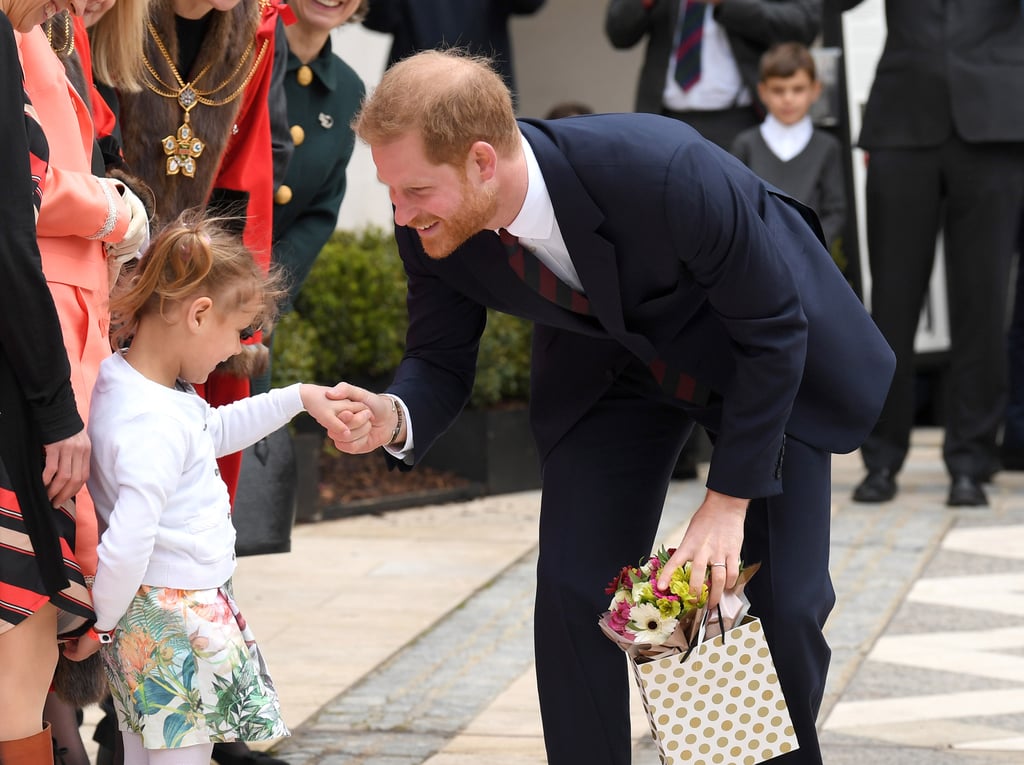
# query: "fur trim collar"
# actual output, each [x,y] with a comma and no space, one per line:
[147,118]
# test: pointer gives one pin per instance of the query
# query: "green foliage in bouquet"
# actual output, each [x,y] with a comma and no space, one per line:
[349,323]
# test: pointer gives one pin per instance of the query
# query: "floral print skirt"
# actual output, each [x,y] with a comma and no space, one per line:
[184,669]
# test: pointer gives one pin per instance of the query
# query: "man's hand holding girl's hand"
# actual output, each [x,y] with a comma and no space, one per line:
[338,416]
[385,425]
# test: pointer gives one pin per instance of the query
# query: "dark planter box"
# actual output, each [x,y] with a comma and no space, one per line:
[492,447]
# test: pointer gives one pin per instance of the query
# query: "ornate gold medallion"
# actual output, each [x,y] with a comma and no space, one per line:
[183,147]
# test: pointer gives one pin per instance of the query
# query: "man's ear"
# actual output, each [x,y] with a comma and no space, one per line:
[200,310]
[482,161]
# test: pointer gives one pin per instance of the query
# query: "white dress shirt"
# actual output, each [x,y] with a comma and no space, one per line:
[786,141]
[720,85]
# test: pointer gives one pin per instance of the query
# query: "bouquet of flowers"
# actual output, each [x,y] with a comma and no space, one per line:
[647,622]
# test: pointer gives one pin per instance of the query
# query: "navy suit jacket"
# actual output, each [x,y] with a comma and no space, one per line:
[948,66]
[687,257]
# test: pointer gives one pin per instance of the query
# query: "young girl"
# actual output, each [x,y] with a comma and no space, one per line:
[183,667]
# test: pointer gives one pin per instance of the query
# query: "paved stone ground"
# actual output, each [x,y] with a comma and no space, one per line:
[914,584]
[405,638]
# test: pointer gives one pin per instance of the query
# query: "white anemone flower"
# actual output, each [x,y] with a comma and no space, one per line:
[648,624]
[620,595]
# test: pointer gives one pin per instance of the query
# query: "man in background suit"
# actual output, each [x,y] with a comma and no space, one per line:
[722,100]
[656,305]
[944,130]
[478,26]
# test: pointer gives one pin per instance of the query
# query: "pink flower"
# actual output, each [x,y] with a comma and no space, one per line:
[618,618]
[622,580]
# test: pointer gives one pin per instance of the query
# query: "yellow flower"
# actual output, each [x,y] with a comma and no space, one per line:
[669,608]
[643,592]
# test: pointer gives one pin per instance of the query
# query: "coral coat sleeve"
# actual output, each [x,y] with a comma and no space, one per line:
[75,204]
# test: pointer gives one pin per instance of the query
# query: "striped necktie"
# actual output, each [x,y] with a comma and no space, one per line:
[540,278]
[691,32]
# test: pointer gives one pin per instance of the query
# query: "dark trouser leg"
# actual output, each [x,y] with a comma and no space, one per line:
[604,489]
[792,592]
[1013,426]
[985,183]
[903,197]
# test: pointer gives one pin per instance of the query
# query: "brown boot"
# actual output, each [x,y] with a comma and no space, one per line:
[36,749]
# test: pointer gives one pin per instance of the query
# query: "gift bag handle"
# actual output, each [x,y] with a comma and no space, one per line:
[699,638]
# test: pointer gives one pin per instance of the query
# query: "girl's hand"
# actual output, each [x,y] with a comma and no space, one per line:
[81,648]
[360,437]
[345,419]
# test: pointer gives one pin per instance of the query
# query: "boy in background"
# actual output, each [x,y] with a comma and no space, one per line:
[786,149]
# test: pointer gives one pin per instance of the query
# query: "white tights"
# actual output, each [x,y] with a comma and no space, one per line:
[136,754]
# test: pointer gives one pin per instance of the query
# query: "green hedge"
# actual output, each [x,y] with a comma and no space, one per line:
[350,320]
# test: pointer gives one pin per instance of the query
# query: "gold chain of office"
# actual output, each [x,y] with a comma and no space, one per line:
[183,148]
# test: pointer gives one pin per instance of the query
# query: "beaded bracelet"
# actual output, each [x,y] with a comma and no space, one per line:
[399,419]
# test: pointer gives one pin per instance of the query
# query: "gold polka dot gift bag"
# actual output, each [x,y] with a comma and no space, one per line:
[708,685]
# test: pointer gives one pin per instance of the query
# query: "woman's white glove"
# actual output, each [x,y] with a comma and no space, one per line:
[136,237]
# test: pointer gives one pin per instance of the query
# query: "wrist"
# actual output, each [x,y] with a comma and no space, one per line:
[399,412]
[100,636]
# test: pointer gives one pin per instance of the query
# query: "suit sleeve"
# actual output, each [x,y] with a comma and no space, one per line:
[771,22]
[723,242]
[626,22]
[435,377]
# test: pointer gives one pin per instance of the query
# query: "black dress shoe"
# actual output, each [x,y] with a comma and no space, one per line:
[965,491]
[878,486]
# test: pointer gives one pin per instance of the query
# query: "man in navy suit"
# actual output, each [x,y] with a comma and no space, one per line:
[669,286]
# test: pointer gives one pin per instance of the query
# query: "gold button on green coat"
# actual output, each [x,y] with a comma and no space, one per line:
[316,172]
[304,76]
[283,195]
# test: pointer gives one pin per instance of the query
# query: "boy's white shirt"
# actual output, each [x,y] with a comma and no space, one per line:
[163,509]
[786,141]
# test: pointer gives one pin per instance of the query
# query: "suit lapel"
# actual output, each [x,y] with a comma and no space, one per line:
[592,255]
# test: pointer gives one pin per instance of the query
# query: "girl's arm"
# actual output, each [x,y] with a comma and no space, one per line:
[241,423]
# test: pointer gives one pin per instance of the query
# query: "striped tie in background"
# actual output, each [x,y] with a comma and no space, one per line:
[691,31]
